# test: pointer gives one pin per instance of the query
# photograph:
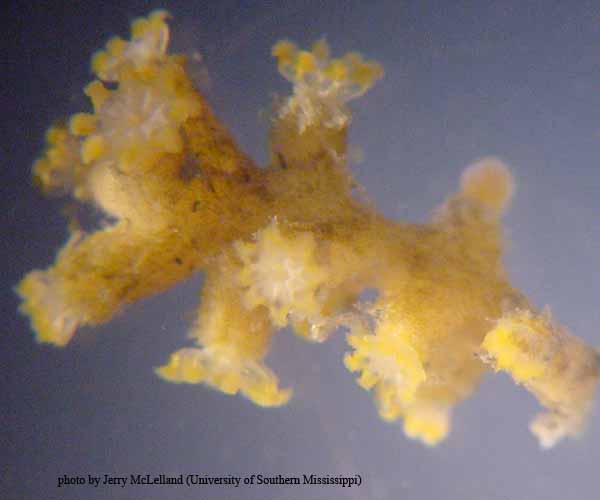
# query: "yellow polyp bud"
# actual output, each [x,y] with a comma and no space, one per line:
[149,41]
[267,394]
[158,16]
[166,372]
[228,383]
[279,316]
[388,406]
[336,70]
[352,362]
[41,171]
[322,86]
[387,360]
[155,21]
[510,353]
[391,413]
[100,62]
[430,427]
[92,148]
[116,46]
[128,73]
[352,59]
[320,49]
[98,93]
[285,51]
[140,27]
[490,183]
[182,368]
[53,322]
[56,135]
[45,334]
[82,124]
[311,332]
[306,63]
[56,155]
[364,74]
[367,379]
[192,373]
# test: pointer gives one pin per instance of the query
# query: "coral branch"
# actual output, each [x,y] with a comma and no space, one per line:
[290,244]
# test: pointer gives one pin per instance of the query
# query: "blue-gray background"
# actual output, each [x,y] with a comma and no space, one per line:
[517,79]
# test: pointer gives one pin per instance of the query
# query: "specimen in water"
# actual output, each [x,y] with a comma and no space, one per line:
[291,243]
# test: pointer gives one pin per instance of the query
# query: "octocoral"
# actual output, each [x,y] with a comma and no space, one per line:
[291,244]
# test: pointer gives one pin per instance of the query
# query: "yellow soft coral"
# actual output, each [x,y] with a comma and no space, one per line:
[291,244]
[282,273]
[234,341]
[558,368]
[386,360]
[430,424]
[323,85]
[141,118]
[149,41]
[61,170]
[51,318]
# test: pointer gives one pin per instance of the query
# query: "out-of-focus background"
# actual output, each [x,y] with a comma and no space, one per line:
[515,79]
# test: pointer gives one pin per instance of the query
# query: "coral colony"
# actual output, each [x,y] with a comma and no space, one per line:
[290,244]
